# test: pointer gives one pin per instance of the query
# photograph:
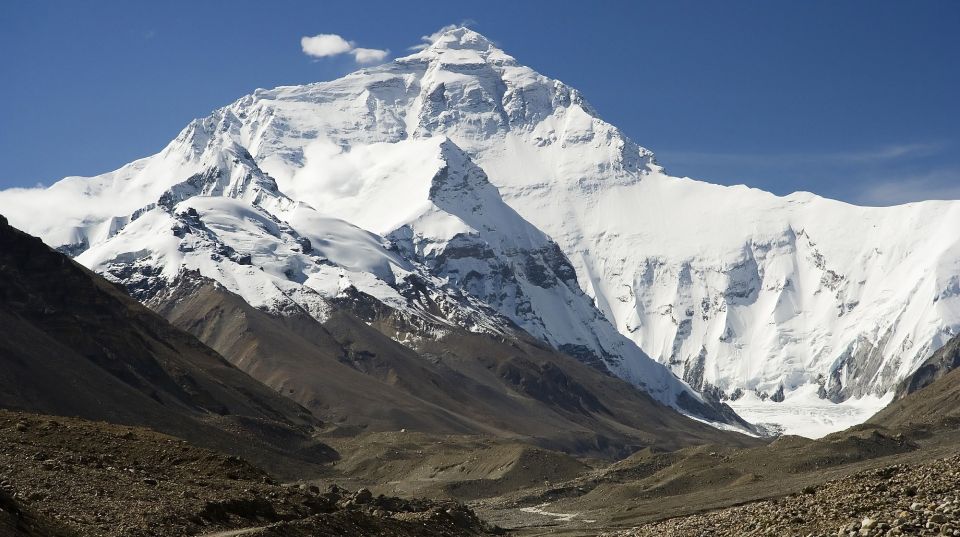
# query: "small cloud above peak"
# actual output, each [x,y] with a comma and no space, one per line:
[326,45]
[323,45]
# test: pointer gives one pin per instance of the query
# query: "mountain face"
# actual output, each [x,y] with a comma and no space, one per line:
[930,398]
[942,362]
[462,189]
[351,371]
[75,344]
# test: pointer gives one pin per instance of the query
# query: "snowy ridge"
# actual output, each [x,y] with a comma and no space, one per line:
[468,236]
[278,254]
[455,236]
[501,187]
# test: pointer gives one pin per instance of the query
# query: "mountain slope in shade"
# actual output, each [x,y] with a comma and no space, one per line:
[942,362]
[74,344]
[931,396]
[778,303]
[350,370]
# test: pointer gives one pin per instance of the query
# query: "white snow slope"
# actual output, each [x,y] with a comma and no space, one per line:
[736,290]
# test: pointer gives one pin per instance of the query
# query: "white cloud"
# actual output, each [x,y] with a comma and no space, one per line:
[325,45]
[369,55]
[322,45]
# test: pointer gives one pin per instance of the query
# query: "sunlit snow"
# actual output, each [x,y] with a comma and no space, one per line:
[805,414]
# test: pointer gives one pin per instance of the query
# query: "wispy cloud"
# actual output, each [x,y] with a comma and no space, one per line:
[892,152]
[432,38]
[764,160]
[883,175]
[326,45]
[935,185]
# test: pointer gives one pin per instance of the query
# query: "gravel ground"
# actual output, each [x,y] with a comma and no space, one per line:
[98,479]
[895,500]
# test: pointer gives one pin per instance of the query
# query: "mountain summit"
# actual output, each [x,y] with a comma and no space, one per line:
[462,38]
[458,186]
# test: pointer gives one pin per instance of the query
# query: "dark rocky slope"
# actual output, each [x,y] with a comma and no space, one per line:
[74,344]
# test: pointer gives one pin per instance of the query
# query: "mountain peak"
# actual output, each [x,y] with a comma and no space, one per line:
[461,45]
[461,37]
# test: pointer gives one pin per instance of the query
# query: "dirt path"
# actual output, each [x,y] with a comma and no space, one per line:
[231,533]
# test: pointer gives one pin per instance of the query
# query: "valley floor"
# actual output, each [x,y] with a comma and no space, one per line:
[916,492]
[794,486]
[67,477]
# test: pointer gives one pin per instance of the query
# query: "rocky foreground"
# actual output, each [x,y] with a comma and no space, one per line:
[895,500]
[70,477]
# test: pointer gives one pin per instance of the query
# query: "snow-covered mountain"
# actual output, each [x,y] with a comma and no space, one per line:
[500,191]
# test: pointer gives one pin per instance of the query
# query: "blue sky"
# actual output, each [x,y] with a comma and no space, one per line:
[856,100]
